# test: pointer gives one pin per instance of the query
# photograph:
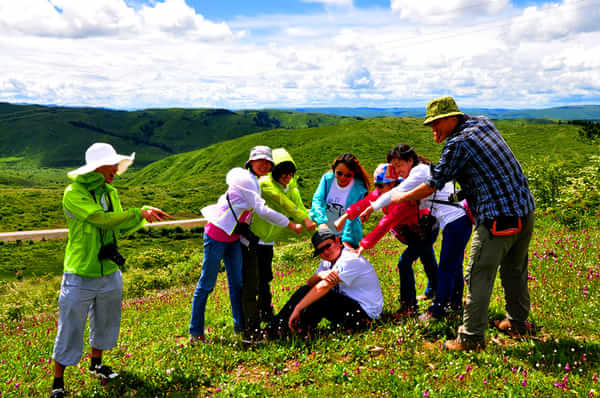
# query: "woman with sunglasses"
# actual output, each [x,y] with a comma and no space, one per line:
[401,221]
[340,188]
[280,191]
[454,222]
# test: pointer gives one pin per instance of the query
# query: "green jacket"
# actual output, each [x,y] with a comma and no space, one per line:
[285,201]
[86,220]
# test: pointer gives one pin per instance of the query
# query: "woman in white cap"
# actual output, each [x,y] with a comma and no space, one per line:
[227,222]
[92,283]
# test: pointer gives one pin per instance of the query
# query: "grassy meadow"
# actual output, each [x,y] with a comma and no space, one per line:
[394,357]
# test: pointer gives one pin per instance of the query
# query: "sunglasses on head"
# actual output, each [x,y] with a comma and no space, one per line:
[340,174]
[322,248]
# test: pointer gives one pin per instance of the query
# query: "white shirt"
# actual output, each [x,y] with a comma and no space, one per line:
[358,280]
[337,197]
[244,194]
[445,213]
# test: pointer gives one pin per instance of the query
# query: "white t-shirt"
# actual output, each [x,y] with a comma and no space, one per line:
[444,213]
[358,280]
[337,197]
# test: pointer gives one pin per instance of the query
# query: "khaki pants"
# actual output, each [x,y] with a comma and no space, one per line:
[487,252]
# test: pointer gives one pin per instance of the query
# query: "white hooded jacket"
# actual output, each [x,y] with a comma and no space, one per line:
[244,194]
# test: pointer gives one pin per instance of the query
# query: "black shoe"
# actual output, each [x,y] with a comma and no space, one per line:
[103,372]
[58,393]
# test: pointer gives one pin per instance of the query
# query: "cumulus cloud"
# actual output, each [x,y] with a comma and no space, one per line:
[82,19]
[128,54]
[556,20]
[444,11]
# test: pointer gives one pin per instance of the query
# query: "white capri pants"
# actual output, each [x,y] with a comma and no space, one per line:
[100,298]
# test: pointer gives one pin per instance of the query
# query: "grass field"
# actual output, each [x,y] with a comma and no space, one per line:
[395,357]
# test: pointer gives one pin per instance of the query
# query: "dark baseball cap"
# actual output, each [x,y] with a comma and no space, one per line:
[322,234]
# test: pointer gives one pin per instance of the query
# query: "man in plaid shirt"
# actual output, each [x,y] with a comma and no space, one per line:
[492,181]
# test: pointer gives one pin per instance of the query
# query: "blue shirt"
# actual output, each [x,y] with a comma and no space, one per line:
[478,158]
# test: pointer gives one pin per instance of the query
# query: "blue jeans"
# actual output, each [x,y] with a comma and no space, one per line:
[214,252]
[415,250]
[455,237]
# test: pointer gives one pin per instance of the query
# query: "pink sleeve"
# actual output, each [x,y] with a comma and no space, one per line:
[358,207]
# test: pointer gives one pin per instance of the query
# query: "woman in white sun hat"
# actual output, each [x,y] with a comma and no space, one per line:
[92,283]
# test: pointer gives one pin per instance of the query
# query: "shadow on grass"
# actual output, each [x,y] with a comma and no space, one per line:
[175,384]
[559,355]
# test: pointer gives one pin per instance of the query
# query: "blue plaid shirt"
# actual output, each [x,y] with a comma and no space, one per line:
[478,158]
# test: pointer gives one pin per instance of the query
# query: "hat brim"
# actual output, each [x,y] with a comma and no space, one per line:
[430,120]
[123,161]
[247,164]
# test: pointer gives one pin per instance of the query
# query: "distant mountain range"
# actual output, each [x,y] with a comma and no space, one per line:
[580,112]
[51,136]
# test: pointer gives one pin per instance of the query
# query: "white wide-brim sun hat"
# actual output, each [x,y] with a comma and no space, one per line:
[101,154]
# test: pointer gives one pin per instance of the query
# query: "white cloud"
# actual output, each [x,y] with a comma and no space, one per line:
[109,53]
[556,20]
[444,11]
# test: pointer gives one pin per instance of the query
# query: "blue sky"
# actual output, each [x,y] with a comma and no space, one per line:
[132,54]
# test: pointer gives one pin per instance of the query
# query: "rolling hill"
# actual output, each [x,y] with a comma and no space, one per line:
[45,136]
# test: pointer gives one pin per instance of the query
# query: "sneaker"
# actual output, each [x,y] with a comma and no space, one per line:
[197,338]
[57,393]
[254,338]
[427,317]
[426,296]
[103,372]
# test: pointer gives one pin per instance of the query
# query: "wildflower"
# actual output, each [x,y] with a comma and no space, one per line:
[461,377]
[524,382]
[469,368]
[485,382]
[426,394]
[567,367]
[391,371]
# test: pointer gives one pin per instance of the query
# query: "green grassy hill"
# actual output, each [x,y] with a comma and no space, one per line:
[182,184]
[198,177]
[57,137]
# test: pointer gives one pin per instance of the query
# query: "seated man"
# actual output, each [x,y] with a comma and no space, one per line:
[345,290]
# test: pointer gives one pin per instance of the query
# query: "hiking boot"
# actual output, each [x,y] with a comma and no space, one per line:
[505,326]
[103,372]
[456,345]
[57,393]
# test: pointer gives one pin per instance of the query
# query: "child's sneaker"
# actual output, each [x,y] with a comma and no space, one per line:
[103,372]
[57,393]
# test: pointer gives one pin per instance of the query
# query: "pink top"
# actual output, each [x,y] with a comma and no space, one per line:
[219,235]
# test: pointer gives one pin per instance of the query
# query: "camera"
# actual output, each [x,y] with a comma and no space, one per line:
[110,252]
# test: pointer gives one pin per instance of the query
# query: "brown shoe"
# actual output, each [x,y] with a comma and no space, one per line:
[455,345]
[505,326]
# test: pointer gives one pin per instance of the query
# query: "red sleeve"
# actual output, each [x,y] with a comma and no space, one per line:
[403,213]
[358,207]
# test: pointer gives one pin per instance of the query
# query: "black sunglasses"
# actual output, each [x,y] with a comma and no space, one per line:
[322,248]
[347,175]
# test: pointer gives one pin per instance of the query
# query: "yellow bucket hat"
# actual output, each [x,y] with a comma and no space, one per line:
[440,108]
